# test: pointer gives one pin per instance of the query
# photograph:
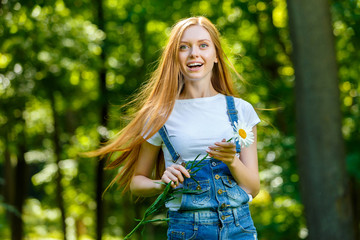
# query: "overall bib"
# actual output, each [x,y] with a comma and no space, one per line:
[219,209]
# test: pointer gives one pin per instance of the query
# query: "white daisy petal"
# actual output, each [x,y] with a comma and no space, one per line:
[243,134]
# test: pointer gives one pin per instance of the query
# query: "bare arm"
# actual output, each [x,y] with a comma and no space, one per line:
[142,184]
[244,170]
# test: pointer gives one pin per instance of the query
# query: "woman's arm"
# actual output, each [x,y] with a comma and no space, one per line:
[244,170]
[142,184]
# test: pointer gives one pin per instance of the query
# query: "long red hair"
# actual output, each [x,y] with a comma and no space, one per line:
[156,100]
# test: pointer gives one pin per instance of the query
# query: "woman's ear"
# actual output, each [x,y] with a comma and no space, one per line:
[216,60]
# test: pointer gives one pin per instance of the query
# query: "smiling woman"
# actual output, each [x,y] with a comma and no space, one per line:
[187,108]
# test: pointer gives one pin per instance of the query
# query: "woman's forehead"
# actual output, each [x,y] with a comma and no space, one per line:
[195,32]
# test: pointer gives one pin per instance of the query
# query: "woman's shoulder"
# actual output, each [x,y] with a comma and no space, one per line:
[246,111]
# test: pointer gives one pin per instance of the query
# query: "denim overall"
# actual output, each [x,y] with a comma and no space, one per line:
[219,208]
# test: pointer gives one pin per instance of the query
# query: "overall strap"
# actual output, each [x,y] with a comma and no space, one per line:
[165,137]
[233,116]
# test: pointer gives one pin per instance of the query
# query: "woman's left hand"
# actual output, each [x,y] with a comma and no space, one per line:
[223,151]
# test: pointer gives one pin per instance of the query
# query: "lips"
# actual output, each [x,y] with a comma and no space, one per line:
[193,66]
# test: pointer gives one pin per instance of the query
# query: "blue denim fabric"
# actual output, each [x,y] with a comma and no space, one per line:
[218,210]
[228,224]
[217,189]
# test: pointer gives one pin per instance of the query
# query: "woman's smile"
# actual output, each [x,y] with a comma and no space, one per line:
[194,66]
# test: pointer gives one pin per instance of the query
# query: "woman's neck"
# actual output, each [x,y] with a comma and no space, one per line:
[197,90]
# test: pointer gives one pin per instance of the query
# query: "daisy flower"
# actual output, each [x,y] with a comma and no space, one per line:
[243,134]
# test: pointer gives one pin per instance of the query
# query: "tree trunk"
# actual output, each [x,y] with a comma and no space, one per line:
[8,174]
[20,179]
[104,122]
[325,185]
[57,150]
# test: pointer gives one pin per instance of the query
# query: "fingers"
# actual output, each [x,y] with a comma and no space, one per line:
[225,144]
[183,170]
[224,151]
[222,155]
[227,147]
[175,173]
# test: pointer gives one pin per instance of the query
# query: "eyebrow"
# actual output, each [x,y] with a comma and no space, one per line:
[201,40]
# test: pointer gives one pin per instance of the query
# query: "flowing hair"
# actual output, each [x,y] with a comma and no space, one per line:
[156,100]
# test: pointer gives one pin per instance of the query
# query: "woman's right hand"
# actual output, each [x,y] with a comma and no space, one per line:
[175,173]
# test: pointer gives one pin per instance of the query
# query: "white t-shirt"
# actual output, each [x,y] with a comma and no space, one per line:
[195,124]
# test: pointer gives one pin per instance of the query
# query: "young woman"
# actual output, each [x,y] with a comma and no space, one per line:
[187,109]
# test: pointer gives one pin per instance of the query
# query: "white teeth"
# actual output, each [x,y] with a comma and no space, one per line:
[194,64]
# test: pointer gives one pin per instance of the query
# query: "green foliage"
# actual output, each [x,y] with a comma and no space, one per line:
[50,56]
[345,18]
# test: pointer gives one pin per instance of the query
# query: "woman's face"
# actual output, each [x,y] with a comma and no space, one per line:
[197,54]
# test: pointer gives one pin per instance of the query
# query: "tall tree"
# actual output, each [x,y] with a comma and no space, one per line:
[103,121]
[325,189]
[59,175]
[20,179]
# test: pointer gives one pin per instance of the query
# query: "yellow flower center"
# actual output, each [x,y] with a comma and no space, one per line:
[242,133]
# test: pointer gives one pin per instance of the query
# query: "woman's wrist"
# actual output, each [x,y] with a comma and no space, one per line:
[234,164]
[159,186]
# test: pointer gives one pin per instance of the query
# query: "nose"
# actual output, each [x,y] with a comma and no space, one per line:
[194,52]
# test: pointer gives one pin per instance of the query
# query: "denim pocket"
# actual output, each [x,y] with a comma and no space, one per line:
[231,187]
[175,235]
[201,193]
[246,224]
[187,232]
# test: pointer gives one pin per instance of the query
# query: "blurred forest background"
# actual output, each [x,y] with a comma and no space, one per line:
[66,67]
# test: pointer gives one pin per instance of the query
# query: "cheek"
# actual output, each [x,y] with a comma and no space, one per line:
[183,54]
[182,63]
[182,58]
[211,57]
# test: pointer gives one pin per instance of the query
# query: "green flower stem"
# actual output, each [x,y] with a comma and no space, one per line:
[157,204]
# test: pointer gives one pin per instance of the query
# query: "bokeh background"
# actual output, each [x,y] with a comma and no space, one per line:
[66,67]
